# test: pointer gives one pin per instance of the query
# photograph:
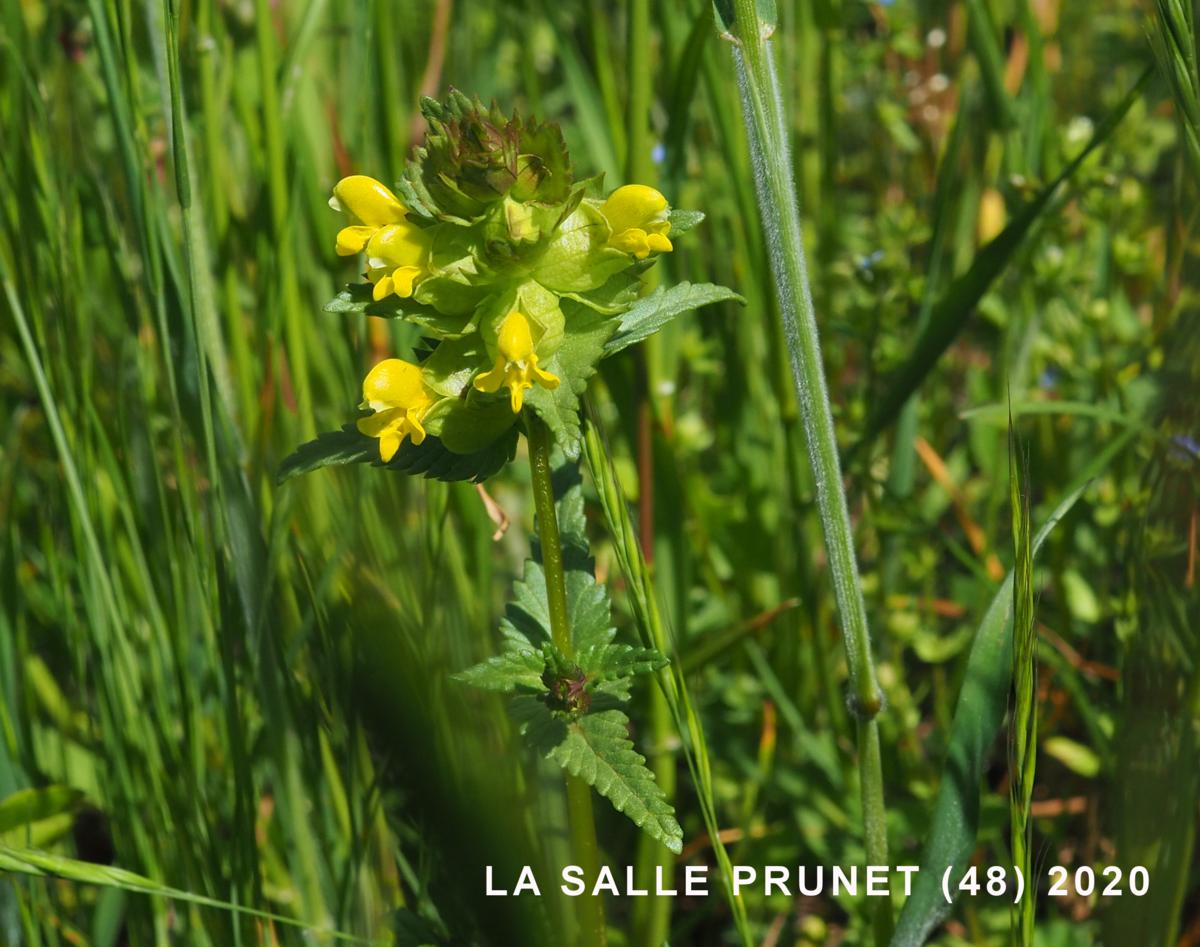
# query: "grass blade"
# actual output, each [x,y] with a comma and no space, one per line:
[978,715]
[26,861]
[1023,731]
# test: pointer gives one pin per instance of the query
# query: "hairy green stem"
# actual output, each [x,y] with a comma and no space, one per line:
[584,846]
[547,529]
[762,103]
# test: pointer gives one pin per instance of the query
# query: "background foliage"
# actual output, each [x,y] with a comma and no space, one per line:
[243,690]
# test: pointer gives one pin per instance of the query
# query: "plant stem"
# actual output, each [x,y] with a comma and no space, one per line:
[538,436]
[762,105]
[579,795]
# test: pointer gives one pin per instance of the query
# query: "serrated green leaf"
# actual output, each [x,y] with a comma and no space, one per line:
[572,516]
[516,668]
[615,296]
[526,621]
[543,730]
[595,745]
[610,668]
[431,458]
[597,749]
[584,344]
[356,299]
[684,220]
[656,310]
[331,448]
[559,408]
[590,611]
[608,662]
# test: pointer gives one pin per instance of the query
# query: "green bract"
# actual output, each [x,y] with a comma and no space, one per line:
[519,277]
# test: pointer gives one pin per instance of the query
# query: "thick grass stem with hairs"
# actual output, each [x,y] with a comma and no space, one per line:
[766,125]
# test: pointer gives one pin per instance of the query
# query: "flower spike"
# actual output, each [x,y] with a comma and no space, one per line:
[518,276]
[517,364]
[396,392]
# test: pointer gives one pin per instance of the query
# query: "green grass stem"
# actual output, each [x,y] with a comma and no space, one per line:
[779,206]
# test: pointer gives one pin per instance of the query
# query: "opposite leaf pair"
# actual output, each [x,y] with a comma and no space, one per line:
[569,707]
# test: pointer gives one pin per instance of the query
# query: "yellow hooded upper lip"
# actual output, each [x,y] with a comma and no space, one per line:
[367,201]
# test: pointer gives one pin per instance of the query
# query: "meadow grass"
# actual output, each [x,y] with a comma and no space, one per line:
[241,690]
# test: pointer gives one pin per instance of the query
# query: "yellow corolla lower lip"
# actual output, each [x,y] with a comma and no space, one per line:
[640,243]
[401,281]
[397,259]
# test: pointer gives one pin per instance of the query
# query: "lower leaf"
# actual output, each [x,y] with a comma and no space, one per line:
[598,750]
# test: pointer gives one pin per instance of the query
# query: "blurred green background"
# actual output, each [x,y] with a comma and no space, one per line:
[242,690]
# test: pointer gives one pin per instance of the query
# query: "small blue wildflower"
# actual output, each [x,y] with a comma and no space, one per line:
[869,261]
[659,154]
[1185,446]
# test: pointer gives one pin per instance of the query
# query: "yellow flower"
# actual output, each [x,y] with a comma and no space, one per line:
[397,257]
[637,215]
[397,251]
[516,365]
[395,390]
